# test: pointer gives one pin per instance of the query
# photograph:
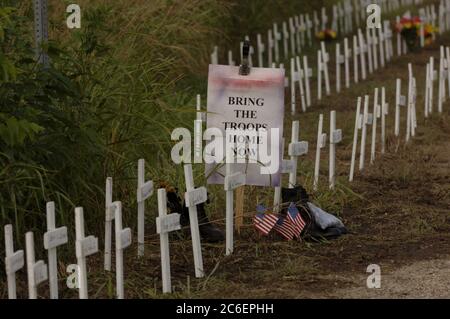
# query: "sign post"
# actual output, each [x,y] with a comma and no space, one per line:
[41,30]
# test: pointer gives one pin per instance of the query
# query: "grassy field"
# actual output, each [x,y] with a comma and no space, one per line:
[115,104]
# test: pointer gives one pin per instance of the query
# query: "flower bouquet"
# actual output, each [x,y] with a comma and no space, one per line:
[326,35]
[410,28]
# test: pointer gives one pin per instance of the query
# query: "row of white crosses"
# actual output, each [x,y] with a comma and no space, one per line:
[289,166]
[443,75]
[300,74]
[298,31]
[335,138]
[444,16]
[85,246]
[362,122]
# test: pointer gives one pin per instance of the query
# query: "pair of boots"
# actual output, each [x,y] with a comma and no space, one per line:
[208,231]
[312,231]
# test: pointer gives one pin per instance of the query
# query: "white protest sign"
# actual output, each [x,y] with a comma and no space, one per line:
[246,108]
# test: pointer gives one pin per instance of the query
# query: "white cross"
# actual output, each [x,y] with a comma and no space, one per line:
[84,247]
[123,240]
[144,191]
[53,238]
[37,270]
[165,224]
[14,261]
[194,197]
[232,181]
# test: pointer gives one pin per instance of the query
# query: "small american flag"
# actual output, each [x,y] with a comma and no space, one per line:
[296,220]
[285,228]
[263,221]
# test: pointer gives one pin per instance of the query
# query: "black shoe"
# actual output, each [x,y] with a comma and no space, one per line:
[208,231]
[297,195]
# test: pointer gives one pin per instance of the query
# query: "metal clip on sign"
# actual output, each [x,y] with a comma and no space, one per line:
[244,69]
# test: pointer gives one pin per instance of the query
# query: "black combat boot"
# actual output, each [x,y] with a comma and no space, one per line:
[208,231]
